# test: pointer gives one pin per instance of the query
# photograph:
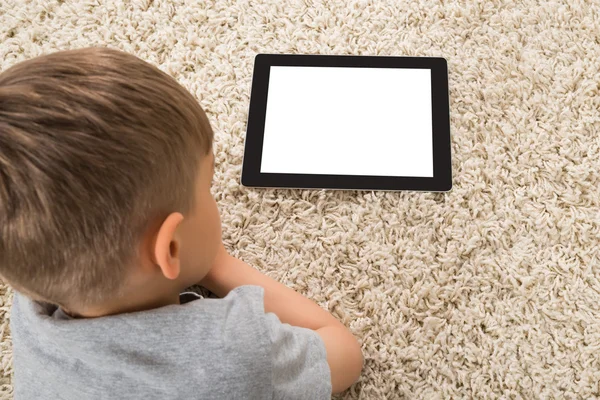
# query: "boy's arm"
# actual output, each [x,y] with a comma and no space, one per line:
[344,355]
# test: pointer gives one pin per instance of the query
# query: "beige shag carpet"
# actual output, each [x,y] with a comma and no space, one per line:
[489,291]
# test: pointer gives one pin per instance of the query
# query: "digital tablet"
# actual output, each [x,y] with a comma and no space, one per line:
[348,122]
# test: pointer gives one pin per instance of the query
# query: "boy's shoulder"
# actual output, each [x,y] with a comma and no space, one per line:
[196,349]
[196,315]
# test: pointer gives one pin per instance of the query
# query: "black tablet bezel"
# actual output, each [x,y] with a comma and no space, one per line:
[442,168]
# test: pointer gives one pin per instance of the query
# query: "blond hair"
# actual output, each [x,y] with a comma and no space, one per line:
[94,144]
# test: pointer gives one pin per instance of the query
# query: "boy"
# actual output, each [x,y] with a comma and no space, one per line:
[106,215]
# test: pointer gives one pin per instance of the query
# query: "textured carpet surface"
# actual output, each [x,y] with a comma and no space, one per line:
[489,291]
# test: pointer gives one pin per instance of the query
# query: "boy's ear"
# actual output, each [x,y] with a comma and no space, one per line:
[166,250]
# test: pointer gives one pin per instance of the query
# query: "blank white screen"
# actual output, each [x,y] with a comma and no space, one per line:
[348,121]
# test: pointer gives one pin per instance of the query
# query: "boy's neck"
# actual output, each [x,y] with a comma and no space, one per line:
[128,305]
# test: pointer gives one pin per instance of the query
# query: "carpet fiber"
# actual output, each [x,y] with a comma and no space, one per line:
[489,291]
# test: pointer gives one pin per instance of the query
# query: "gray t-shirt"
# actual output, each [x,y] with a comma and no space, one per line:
[202,349]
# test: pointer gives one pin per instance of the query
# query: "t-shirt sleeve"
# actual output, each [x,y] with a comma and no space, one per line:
[299,361]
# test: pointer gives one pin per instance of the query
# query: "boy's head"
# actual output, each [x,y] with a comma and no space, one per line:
[105,171]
